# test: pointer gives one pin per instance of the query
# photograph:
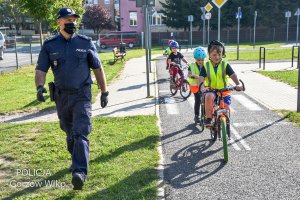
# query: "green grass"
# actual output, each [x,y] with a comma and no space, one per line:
[123,158]
[291,116]
[18,93]
[271,54]
[289,76]
[266,45]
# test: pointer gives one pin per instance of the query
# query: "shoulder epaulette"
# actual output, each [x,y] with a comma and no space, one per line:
[51,39]
[84,37]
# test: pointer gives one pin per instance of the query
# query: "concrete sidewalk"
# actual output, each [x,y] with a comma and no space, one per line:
[273,94]
[127,96]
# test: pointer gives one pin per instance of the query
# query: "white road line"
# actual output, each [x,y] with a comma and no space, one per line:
[164,91]
[171,106]
[242,141]
[232,110]
[235,146]
[247,102]
[191,101]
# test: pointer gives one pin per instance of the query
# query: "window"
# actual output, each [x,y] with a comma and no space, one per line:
[91,2]
[133,18]
[157,18]
[107,1]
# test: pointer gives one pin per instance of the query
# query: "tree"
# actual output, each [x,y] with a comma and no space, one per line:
[10,13]
[97,18]
[46,10]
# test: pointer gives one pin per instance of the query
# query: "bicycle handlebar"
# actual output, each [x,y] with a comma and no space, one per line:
[228,88]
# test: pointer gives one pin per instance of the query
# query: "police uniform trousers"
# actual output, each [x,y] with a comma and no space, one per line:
[74,113]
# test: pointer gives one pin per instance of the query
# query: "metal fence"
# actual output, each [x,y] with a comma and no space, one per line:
[20,51]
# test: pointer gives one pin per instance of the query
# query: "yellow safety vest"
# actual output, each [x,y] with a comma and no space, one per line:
[217,80]
[194,82]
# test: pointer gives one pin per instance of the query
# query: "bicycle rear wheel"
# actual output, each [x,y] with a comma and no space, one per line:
[173,87]
[185,90]
[224,139]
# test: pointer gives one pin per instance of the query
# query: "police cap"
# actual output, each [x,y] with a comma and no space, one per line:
[66,12]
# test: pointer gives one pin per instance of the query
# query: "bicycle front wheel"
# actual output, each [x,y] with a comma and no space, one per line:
[224,139]
[185,90]
[173,87]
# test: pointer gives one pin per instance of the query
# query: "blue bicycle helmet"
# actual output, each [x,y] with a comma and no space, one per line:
[200,53]
[174,44]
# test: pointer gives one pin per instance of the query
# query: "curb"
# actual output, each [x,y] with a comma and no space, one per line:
[160,168]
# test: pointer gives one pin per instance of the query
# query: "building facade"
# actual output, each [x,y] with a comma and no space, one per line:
[131,17]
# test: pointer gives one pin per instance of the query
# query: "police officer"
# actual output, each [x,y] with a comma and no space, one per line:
[71,56]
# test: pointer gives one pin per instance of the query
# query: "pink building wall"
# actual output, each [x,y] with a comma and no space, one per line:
[127,6]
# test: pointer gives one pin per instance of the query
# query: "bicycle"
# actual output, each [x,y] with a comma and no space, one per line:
[220,118]
[178,83]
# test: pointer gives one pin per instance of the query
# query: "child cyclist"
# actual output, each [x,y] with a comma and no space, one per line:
[215,74]
[194,74]
[168,51]
[175,58]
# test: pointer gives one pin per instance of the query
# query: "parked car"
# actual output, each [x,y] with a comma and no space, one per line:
[113,39]
[2,45]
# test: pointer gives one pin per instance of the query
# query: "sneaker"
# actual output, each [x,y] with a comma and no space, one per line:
[208,123]
[197,119]
[78,180]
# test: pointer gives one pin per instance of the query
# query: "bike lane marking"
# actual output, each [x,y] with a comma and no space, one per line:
[234,144]
[250,105]
[171,106]
[242,141]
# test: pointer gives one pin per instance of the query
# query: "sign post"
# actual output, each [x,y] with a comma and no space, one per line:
[255,16]
[145,4]
[238,16]
[219,4]
[297,34]
[203,19]
[191,19]
[288,14]
[208,8]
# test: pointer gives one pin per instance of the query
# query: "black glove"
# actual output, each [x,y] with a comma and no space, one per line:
[40,91]
[104,99]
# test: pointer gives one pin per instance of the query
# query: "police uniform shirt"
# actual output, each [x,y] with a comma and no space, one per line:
[69,60]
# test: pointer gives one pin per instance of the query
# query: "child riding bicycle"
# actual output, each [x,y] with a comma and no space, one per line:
[174,59]
[194,74]
[215,74]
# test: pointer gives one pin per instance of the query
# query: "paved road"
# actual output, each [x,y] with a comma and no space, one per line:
[24,58]
[263,157]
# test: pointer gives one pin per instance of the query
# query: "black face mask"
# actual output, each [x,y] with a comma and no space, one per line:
[70,28]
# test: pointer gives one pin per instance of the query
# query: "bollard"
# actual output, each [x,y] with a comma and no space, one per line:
[293,55]
[262,58]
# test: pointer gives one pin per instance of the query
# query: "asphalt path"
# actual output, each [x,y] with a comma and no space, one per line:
[264,155]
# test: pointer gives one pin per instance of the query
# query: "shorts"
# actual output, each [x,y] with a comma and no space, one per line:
[227,99]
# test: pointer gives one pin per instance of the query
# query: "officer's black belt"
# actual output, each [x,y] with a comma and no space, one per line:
[72,91]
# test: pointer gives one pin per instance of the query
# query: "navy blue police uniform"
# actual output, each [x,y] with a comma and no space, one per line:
[71,62]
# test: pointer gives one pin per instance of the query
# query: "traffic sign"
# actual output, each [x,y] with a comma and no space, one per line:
[237,15]
[219,3]
[208,7]
[288,14]
[297,12]
[190,18]
[208,15]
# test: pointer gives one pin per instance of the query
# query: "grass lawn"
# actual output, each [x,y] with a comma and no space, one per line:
[292,116]
[271,54]
[257,45]
[18,93]
[122,165]
[289,76]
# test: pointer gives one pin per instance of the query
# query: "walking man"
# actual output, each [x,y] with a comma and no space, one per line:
[71,56]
